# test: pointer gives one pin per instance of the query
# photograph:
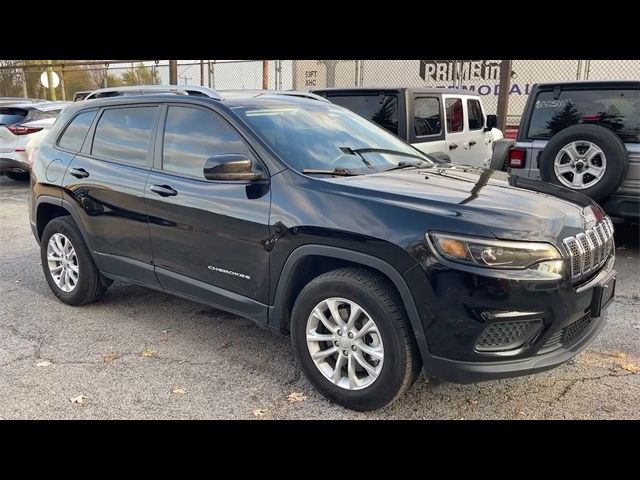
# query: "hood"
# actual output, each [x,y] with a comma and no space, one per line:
[509,206]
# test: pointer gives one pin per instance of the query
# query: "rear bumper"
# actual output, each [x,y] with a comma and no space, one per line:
[13,165]
[627,206]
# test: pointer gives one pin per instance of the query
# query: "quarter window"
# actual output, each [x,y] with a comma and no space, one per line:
[380,109]
[427,116]
[76,131]
[123,134]
[192,135]
[476,119]
[455,118]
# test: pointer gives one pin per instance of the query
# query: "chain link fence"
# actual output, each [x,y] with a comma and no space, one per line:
[20,79]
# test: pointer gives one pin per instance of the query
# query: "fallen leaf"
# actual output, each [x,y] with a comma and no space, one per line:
[471,401]
[80,399]
[521,413]
[110,357]
[44,363]
[166,331]
[260,412]
[630,367]
[296,397]
[149,353]
[178,390]
[619,355]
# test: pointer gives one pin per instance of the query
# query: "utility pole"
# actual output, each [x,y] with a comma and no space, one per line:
[202,73]
[52,90]
[173,72]
[503,94]
[24,83]
[64,94]
[265,74]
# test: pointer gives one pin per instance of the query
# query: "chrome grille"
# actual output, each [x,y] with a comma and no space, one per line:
[588,250]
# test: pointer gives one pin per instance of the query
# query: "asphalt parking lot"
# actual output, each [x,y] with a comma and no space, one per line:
[138,353]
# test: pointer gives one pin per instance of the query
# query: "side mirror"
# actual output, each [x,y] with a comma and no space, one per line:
[492,121]
[230,166]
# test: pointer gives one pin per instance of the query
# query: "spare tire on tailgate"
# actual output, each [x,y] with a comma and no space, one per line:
[587,158]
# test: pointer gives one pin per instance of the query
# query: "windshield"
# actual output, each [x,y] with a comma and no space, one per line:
[328,137]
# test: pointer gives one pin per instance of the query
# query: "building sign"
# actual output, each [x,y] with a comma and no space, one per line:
[452,70]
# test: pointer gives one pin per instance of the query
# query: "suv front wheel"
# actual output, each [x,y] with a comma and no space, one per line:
[352,339]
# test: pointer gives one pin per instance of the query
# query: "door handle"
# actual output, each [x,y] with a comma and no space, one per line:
[453,146]
[472,143]
[164,190]
[79,172]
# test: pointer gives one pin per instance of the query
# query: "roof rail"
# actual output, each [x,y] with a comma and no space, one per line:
[195,90]
[258,93]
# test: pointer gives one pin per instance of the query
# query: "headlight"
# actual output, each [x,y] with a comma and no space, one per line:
[487,253]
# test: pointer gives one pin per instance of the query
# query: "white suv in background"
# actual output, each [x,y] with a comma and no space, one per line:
[446,123]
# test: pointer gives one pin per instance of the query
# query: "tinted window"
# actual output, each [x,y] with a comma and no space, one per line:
[10,115]
[124,134]
[618,110]
[427,116]
[455,119]
[381,109]
[476,119]
[192,135]
[75,132]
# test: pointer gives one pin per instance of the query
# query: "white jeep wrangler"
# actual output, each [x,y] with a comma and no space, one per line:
[446,123]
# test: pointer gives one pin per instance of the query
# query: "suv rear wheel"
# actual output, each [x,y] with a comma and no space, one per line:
[68,267]
[352,339]
[588,158]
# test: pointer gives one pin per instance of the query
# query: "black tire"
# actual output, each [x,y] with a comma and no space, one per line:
[611,145]
[91,285]
[379,298]
[18,176]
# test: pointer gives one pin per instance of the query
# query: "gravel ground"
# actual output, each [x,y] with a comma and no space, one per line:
[138,353]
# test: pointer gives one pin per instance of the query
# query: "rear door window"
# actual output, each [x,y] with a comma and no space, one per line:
[476,119]
[73,136]
[11,115]
[618,110]
[426,116]
[124,134]
[455,117]
[381,109]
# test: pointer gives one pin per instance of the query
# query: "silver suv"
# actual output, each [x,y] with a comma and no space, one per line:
[584,136]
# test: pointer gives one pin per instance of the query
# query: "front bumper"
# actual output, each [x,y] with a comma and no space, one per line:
[13,165]
[457,371]
[483,327]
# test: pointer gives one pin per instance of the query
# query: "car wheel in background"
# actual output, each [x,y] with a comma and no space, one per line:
[18,176]
[587,158]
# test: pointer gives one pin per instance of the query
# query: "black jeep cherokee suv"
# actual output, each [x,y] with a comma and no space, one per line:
[309,219]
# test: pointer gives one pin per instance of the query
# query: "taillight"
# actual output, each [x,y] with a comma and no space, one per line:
[516,157]
[18,130]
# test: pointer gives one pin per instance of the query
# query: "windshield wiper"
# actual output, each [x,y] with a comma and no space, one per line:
[383,150]
[404,164]
[342,172]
